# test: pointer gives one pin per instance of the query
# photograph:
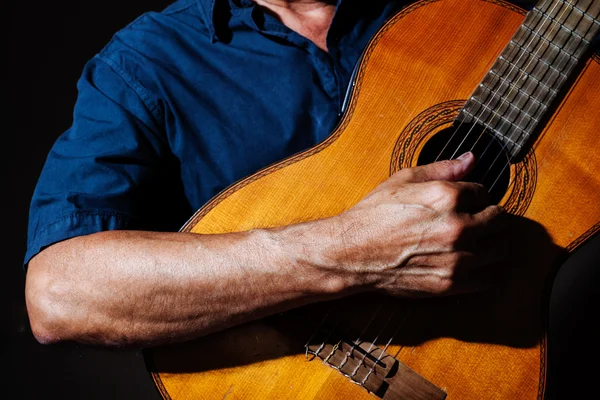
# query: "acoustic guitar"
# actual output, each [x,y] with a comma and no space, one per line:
[519,89]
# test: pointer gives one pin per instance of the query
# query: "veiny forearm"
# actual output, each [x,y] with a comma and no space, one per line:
[411,237]
[130,288]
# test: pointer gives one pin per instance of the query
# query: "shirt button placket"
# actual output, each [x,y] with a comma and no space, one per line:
[325,66]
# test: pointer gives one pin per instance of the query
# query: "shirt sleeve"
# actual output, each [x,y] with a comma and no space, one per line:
[108,169]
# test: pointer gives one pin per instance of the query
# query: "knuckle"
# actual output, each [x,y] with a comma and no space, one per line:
[443,285]
[408,174]
[494,214]
[446,192]
[454,229]
[454,260]
[497,211]
[478,189]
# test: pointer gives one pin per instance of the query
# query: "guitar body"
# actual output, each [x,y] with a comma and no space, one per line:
[414,77]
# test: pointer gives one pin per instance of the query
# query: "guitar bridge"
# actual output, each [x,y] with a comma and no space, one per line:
[367,365]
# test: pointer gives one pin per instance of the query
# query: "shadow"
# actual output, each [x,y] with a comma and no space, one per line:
[510,313]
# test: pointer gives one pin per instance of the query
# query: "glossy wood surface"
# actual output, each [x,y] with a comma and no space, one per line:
[429,54]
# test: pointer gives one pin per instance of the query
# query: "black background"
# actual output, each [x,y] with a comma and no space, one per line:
[44,48]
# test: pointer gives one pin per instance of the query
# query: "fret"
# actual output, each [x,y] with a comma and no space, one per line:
[589,12]
[491,112]
[589,7]
[488,110]
[487,88]
[520,111]
[538,59]
[545,48]
[570,30]
[490,117]
[501,136]
[526,78]
[556,17]
[533,64]
[583,13]
[571,47]
[508,85]
[566,29]
[508,73]
[548,78]
[545,6]
[516,104]
[565,33]
[530,107]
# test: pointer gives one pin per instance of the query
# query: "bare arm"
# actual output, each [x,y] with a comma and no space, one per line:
[143,288]
[409,237]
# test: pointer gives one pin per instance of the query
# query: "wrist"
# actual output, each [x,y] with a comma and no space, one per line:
[314,248]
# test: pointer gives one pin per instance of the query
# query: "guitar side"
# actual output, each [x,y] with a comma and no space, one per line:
[417,68]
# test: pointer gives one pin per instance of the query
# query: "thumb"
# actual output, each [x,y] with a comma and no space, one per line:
[446,170]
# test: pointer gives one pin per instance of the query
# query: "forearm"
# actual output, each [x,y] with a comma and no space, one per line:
[409,237]
[147,288]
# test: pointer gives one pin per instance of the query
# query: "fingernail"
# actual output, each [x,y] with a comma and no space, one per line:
[464,156]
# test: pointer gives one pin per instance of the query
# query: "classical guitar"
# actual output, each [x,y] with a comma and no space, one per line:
[522,91]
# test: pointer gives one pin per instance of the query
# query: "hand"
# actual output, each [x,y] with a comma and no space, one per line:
[423,232]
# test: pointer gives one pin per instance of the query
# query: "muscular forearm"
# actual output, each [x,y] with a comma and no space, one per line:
[417,234]
[145,288]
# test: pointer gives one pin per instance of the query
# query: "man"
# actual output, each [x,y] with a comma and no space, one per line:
[183,103]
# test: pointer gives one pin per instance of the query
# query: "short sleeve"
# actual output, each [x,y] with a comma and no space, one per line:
[110,170]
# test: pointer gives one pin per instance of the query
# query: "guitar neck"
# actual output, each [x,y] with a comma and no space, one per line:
[526,78]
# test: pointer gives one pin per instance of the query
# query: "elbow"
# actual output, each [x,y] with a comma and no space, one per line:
[42,332]
[47,313]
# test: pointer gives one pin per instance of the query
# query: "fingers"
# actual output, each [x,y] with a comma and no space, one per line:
[446,196]
[456,272]
[446,170]
[464,271]
[464,261]
[472,197]
[492,220]
[491,223]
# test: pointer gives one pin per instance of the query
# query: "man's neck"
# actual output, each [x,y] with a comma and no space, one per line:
[309,18]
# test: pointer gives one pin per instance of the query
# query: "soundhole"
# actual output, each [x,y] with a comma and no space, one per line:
[492,164]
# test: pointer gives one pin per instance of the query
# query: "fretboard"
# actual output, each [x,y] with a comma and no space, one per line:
[524,81]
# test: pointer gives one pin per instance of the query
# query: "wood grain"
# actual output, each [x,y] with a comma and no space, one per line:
[473,347]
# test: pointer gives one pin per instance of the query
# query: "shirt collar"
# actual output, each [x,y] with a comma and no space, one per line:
[207,7]
[210,13]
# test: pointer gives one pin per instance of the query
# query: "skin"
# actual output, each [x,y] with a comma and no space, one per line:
[421,233]
[309,18]
[132,288]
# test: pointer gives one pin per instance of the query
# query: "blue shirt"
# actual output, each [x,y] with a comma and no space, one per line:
[181,104]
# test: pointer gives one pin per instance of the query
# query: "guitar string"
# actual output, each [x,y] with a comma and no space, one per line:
[577,48]
[359,338]
[539,30]
[368,351]
[506,144]
[487,105]
[331,331]
[476,118]
[374,315]
[315,354]
[371,370]
[511,159]
[351,376]
[355,320]
[511,86]
[387,345]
